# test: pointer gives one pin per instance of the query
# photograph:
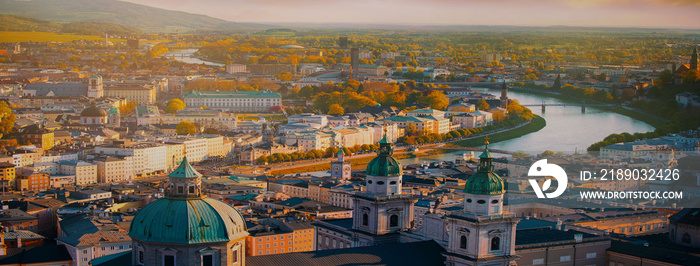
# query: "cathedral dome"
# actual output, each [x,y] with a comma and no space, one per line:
[484,181]
[185,216]
[484,184]
[93,111]
[187,222]
[384,164]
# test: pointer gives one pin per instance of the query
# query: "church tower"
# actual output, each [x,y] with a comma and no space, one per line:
[341,169]
[114,117]
[504,95]
[382,211]
[482,232]
[95,88]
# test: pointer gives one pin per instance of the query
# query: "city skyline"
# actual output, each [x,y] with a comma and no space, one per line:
[599,13]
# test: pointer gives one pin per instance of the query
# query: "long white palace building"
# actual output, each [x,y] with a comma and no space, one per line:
[234,101]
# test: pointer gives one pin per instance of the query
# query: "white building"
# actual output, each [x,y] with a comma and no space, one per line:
[196,148]
[148,158]
[209,119]
[234,101]
[85,173]
[112,169]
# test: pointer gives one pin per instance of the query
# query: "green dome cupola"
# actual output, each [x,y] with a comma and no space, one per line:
[384,164]
[485,181]
[186,216]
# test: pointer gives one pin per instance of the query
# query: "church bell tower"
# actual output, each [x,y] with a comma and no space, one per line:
[482,233]
[382,211]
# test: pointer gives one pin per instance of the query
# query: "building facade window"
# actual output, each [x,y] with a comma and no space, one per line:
[686,238]
[495,243]
[393,220]
[365,219]
[208,260]
[168,260]
[463,242]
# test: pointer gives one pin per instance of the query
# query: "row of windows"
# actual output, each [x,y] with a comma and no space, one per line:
[566,258]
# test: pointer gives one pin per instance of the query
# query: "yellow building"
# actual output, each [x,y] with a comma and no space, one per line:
[39,137]
[145,94]
[296,236]
[7,176]
[303,234]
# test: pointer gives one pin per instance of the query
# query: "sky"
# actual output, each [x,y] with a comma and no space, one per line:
[605,13]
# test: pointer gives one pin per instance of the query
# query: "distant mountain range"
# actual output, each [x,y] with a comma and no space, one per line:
[145,18]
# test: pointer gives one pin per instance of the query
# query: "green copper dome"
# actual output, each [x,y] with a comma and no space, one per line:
[185,216]
[185,170]
[384,164]
[484,181]
[189,221]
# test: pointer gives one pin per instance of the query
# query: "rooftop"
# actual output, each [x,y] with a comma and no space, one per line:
[423,253]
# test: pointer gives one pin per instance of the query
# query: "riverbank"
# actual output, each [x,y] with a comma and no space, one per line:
[356,163]
[652,120]
[537,123]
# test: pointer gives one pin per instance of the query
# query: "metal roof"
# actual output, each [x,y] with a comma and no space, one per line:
[187,222]
[185,170]
[425,253]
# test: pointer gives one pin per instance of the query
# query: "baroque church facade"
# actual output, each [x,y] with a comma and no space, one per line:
[481,234]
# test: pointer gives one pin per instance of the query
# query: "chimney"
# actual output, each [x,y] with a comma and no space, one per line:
[578,238]
[559,223]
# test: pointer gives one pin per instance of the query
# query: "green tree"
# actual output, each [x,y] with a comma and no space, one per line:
[185,128]
[7,118]
[306,92]
[174,105]
[666,78]
[482,105]
[336,109]
[411,130]
[557,83]
[547,153]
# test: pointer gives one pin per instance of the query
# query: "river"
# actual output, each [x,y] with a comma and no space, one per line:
[567,130]
[185,55]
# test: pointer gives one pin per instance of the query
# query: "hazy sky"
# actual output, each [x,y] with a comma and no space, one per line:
[623,13]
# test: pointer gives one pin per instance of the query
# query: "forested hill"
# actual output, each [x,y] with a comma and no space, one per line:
[146,18]
[18,23]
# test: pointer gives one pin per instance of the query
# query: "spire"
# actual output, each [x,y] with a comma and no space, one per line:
[485,159]
[485,181]
[185,170]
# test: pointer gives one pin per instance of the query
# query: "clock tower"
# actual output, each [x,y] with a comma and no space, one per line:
[340,169]
[95,87]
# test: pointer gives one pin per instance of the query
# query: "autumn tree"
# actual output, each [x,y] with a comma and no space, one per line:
[174,105]
[482,105]
[335,110]
[7,118]
[186,128]
[435,99]
[128,108]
